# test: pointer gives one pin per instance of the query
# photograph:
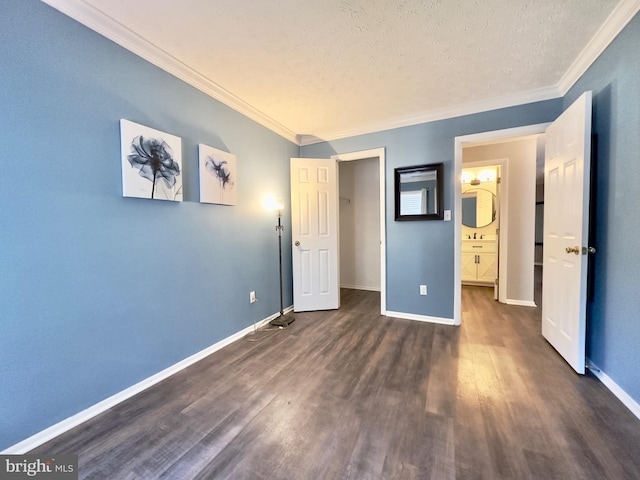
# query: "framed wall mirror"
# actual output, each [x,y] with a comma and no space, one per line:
[418,192]
[478,208]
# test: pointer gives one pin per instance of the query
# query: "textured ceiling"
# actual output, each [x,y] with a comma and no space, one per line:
[327,68]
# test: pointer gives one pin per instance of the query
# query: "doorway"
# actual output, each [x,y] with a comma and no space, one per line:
[516,269]
[358,206]
[484,190]
[362,221]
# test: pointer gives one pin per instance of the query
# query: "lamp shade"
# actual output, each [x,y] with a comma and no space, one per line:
[273,203]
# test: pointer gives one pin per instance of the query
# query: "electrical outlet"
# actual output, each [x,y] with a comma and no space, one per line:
[252,297]
[423,289]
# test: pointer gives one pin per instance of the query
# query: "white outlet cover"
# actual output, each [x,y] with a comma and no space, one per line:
[423,289]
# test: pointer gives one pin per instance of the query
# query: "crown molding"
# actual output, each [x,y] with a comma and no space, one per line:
[537,95]
[103,24]
[106,26]
[608,31]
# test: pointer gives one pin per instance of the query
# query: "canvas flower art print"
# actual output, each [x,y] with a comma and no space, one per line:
[151,163]
[217,176]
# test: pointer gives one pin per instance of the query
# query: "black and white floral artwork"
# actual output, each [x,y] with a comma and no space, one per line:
[151,163]
[217,176]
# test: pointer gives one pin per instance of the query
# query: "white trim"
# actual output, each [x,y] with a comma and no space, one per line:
[608,31]
[616,389]
[421,318]
[361,287]
[520,303]
[106,26]
[496,135]
[67,424]
[380,154]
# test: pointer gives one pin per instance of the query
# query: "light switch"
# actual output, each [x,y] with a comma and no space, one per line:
[447,215]
[423,289]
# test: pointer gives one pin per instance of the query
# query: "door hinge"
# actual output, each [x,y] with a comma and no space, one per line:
[499,180]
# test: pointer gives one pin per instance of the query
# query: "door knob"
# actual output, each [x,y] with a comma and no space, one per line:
[575,250]
[297,244]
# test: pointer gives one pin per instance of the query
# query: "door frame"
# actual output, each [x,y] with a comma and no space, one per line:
[494,136]
[364,155]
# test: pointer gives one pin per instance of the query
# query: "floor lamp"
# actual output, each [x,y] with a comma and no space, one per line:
[281,320]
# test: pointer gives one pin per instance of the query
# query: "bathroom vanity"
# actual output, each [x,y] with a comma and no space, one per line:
[479,261]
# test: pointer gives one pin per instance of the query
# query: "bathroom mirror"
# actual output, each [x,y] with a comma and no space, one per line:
[478,208]
[418,192]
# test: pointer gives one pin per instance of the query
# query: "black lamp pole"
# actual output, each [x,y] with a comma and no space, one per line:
[282,320]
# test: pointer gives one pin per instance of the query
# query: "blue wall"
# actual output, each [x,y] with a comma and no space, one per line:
[422,252]
[613,332]
[98,292]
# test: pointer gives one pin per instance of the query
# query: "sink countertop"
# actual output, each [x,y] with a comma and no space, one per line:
[485,239]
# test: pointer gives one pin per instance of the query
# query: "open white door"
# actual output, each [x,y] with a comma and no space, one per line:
[314,233]
[566,227]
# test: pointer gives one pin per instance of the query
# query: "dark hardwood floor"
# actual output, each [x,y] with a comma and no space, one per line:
[349,394]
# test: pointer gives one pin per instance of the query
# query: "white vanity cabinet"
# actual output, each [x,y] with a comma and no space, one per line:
[479,262]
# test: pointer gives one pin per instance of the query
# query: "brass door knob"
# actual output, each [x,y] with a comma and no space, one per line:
[575,250]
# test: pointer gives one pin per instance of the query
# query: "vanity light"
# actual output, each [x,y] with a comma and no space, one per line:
[487,176]
[466,177]
[483,176]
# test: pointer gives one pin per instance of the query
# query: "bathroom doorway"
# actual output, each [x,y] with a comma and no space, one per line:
[481,187]
[518,146]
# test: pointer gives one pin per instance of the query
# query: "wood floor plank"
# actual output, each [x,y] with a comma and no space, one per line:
[350,394]
[442,378]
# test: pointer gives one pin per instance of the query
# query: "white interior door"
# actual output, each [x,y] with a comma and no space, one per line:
[566,226]
[314,233]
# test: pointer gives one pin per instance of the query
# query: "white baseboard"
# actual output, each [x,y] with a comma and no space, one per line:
[608,382]
[420,318]
[361,287]
[520,303]
[59,428]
